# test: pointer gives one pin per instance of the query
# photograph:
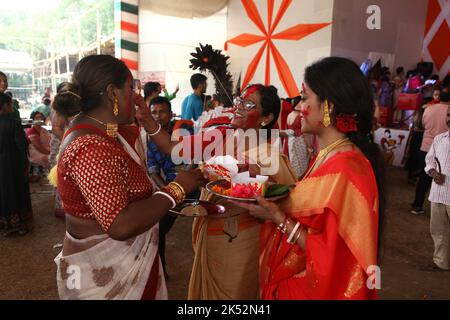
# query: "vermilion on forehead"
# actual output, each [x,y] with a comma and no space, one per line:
[251,90]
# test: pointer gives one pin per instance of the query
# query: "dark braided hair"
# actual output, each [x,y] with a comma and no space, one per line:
[67,102]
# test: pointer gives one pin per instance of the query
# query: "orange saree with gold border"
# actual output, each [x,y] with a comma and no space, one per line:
[338,204]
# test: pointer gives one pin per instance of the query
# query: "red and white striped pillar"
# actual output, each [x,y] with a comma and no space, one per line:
[126,17]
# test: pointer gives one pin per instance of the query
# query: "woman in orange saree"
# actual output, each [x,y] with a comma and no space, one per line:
[321,242]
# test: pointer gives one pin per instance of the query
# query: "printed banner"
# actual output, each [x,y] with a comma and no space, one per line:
[393,144]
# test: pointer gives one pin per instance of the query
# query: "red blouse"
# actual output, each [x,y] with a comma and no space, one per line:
[97,179]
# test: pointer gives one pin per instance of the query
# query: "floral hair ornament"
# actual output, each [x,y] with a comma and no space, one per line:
[346,123]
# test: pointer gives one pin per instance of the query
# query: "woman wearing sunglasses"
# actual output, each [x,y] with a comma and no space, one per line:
[226,250]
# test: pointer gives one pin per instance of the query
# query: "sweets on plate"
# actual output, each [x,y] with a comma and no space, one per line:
[244,186]
[240,185]
[221,167]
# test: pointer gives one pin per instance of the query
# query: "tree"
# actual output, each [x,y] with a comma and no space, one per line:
[37,32]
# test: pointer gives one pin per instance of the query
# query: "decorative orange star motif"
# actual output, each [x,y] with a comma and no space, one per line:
[296,32]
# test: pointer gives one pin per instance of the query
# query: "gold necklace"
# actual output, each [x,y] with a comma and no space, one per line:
[325,151]
[111,128]
[330,147]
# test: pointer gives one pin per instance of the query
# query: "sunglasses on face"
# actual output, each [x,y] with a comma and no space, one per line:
[247,104]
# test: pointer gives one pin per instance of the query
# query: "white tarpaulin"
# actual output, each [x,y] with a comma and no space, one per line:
[183,8]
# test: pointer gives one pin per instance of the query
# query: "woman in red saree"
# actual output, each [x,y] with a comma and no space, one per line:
[110,250]
[321,242]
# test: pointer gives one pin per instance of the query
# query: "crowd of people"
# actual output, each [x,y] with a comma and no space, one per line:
[427,170]
[388,90]
[109,156]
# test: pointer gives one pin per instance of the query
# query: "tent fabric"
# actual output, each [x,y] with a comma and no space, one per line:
[184,8]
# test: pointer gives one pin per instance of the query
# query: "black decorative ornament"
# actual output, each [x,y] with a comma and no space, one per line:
[208,59]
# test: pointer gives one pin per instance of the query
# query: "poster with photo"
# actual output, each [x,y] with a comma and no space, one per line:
[393,144]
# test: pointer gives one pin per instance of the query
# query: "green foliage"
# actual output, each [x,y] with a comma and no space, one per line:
[18,79]
[277,190]
[22,30]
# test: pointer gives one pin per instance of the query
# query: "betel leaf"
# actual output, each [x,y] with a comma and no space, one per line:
[277,190]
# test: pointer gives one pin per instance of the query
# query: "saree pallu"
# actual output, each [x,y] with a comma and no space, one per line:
[105,269]
[338,204]
[226,251]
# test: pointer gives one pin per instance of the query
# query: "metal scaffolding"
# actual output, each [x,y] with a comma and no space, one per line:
[59,67]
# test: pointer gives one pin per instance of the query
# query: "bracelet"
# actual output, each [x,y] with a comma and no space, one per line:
[174,204]
[156,132]
[179,186]
[283,226]
[294,231]
[175,193]
[299,235]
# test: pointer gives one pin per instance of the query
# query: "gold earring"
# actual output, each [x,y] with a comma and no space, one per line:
[326,116]
[116,107]
[263,124]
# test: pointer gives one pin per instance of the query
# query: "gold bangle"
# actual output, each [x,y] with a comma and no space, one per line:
[180,195]
[176,187]
[179,186]
[175,193]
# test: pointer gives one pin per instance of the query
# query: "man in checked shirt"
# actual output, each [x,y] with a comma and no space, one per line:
[438,167]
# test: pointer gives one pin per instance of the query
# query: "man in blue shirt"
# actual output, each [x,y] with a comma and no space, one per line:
[192,106]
